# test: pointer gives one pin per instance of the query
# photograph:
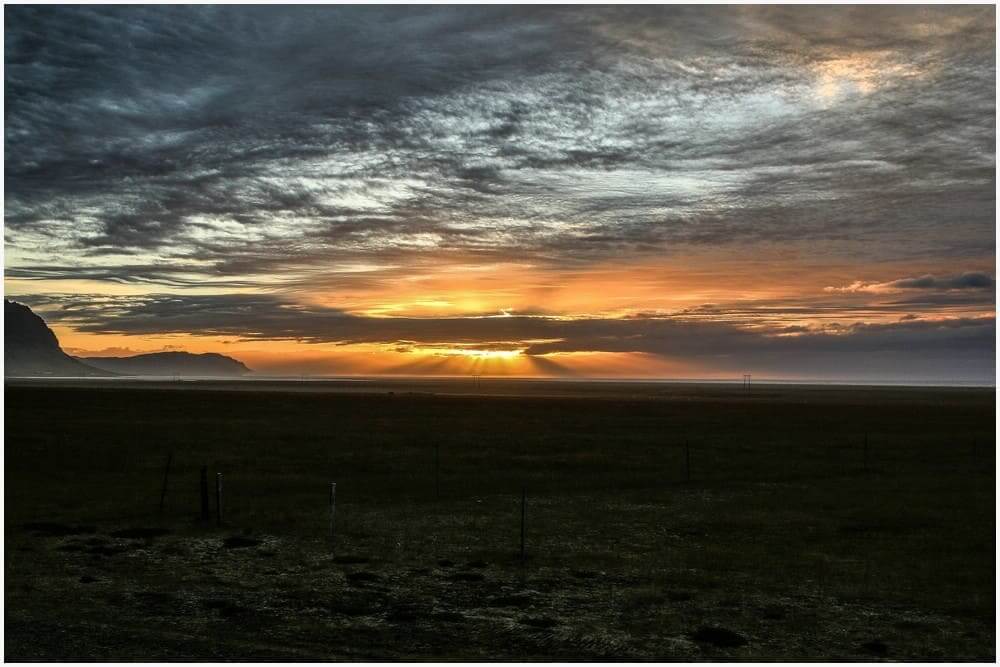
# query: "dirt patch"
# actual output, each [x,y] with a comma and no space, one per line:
[541,622]
[467,576]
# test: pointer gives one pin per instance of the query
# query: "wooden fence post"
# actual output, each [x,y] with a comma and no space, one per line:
[166,476]
[204,493]
[218,498]
[333,508]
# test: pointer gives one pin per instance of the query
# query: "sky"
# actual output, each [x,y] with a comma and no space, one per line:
[795,192]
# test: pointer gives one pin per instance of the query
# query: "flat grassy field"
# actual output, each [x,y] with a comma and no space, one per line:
[785,537]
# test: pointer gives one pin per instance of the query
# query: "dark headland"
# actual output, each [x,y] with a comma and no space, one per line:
[31,349]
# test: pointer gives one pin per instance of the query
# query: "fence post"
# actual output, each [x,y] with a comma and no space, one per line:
[687,462]
[204,493]
[218,498]
[166,476]
[333,508]
[437,471]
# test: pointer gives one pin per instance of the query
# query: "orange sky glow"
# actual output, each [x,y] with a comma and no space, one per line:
[764,291]
[795,192]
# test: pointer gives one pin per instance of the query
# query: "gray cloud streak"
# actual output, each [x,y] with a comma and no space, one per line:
[968,280]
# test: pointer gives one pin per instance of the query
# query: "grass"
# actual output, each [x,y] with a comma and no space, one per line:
[784,544]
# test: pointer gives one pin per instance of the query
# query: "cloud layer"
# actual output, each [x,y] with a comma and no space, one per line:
[221,138]
[229,168]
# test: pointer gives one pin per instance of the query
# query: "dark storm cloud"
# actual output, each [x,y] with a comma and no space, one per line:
[125,123]
[235,140]
[969,280]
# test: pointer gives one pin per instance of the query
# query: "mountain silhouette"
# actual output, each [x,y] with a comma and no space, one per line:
[170,363]
[31,349]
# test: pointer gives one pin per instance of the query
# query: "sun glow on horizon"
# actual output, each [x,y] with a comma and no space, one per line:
[474,353]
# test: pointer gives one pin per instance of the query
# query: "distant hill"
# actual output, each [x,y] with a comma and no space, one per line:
[170,363]
[31,349]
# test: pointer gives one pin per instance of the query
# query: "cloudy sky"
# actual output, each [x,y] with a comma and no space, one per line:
[793,192]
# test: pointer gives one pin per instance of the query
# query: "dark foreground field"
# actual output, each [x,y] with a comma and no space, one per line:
[786,542]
